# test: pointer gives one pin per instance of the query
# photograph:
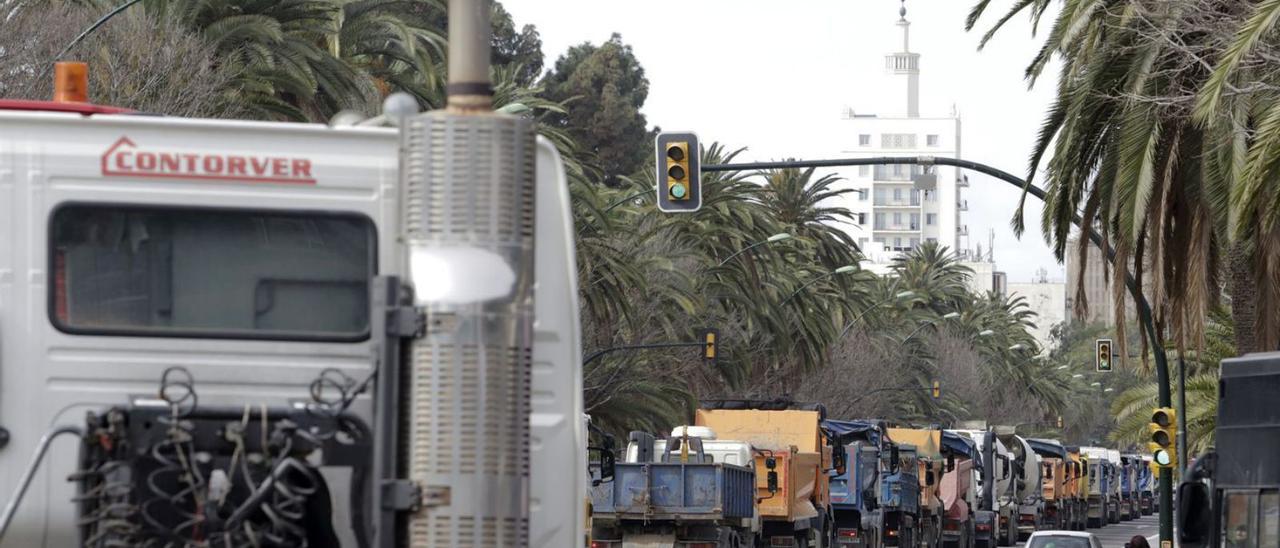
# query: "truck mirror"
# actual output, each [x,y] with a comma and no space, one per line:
[1194,514]
[928,477]
[773,480]
[869,498]
[894,464]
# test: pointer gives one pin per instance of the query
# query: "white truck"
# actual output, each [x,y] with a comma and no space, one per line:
[1101,476]
[244,263]
[1005,503]
[1026,485]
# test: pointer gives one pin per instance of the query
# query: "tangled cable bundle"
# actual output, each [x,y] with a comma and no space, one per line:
[177,475]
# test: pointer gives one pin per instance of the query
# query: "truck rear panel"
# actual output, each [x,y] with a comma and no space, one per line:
[678,492]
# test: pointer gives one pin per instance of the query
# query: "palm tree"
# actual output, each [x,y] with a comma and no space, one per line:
[1131,155]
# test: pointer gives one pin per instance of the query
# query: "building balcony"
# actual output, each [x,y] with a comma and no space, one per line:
[962,181]
[962,205]
[962,230]
[905,227]
[914,202]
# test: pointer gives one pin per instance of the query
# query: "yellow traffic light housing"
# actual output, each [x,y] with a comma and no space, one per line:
[937,389]
[1103,356]
[679,172]
[710,338]
[1163,430]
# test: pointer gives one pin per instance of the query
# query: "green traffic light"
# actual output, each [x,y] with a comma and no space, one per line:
[677,191]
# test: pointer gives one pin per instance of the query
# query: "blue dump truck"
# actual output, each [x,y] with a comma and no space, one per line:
[876,497]
[900,495]
[1146,488]
[855,489]
[1129,465]
[688,490]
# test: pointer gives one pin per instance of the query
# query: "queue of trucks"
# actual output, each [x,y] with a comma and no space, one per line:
[750,474]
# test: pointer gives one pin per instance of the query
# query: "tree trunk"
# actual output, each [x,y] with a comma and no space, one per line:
[1241,283]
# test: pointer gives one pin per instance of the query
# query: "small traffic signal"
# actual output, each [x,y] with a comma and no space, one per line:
[937,389]
[1164,434]
[708,337]
[1059,421]
[679,172]
[1103,363]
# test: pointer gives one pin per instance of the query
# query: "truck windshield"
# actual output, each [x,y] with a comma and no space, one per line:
[220,273]
[1251,519]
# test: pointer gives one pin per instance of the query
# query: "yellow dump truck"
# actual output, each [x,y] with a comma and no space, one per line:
[1079,487]
[932,465]
[793,460]
[1056,481]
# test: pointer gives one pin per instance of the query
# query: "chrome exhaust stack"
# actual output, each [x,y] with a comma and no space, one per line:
[467,227]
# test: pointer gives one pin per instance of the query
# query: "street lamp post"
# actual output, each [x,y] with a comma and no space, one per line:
[771,239]
[899,295]
[842,270]
[947,316]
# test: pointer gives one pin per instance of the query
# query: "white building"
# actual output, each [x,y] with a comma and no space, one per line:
[896,209]
[1048,300]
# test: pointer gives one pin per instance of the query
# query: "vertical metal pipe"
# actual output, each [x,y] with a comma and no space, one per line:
[469,87]
[1182,412]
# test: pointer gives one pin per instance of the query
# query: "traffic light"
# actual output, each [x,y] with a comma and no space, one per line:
[937,389]
[679,173]
[1059,421]
[709,337]
[1103,363]
[1164,435]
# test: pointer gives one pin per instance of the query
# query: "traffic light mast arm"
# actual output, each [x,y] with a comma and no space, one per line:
[599,353]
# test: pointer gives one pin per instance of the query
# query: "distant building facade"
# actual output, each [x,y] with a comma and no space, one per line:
[898,207]
[1048,300]
[1097,286]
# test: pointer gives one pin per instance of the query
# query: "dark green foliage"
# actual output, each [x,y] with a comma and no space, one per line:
[604,87]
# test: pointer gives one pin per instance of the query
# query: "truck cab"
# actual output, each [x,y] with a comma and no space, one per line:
[1231,496]
[160,273]
[857,503]
[1005,504]
[1099,501]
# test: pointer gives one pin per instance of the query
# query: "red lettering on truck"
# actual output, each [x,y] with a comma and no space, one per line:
[125,158]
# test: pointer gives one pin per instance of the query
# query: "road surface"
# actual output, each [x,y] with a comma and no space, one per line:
[1116,534]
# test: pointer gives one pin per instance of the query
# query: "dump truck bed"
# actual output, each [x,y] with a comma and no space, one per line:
[678,492]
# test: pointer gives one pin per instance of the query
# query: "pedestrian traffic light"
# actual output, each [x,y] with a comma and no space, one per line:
[1059,421]
[1103,364]
[679,172]
[709,338]
[937,389]
[1164,435]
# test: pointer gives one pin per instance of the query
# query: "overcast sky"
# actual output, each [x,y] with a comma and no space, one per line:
[756,73]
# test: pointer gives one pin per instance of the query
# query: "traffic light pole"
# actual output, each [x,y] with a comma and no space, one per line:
[599,353]
[1144,308]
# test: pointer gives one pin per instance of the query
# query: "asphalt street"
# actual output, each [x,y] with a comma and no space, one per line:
[1115,535]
